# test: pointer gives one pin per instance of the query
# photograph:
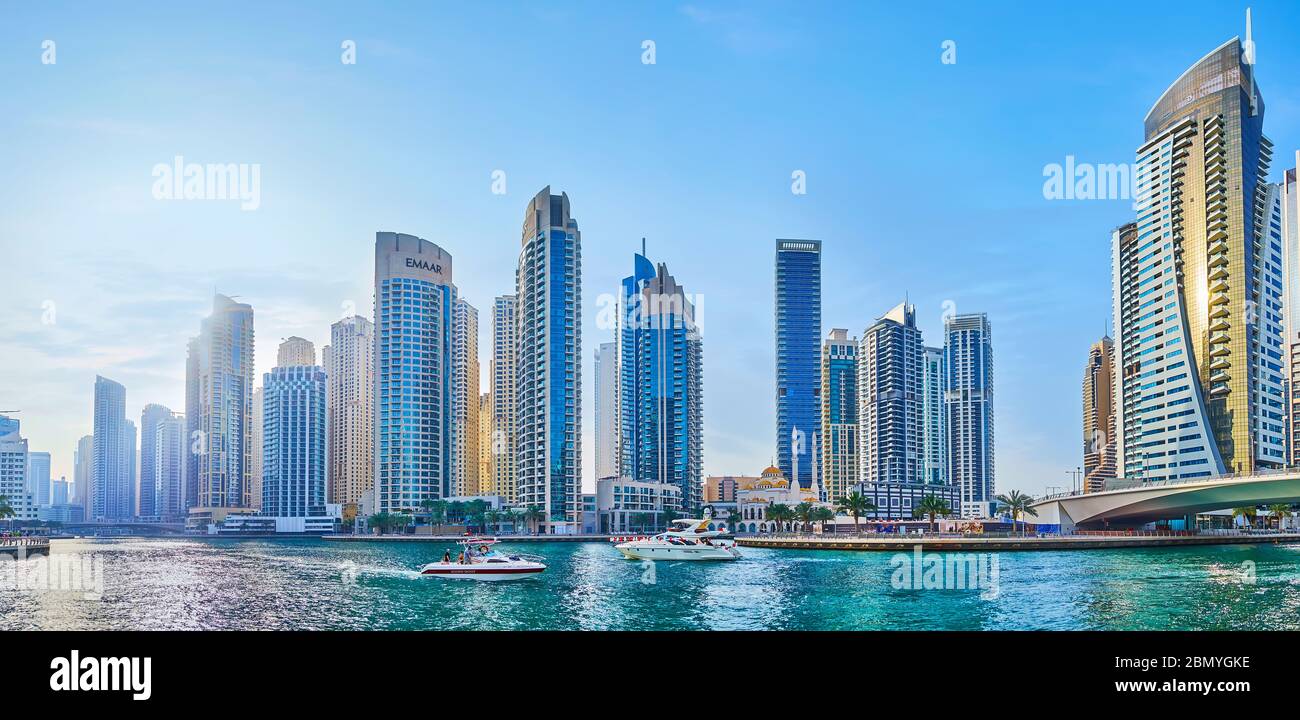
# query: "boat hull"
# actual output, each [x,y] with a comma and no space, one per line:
[651,551]
[453,571]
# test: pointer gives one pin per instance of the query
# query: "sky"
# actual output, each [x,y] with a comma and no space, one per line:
[924,178]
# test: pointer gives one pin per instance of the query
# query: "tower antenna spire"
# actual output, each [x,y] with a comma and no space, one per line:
[1249,50]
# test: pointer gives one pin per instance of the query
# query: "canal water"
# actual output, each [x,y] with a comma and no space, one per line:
[192,584]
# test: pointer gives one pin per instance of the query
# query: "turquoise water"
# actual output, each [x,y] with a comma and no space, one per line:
[314,584]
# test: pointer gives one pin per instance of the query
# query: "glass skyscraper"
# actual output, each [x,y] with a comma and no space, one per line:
[606,414]
[934,426]
[660,376]
[548,379]
[293,441]
[110,470]
[414,299]
[219,408]
[890,394]
[1198,284]
[968,397]
[798,356]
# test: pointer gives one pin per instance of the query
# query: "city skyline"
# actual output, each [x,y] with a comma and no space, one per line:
[300,294]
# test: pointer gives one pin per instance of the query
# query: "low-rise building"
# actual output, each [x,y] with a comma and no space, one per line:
[755,496]
[625,505]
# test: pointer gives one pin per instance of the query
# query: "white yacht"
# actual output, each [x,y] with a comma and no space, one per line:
[685,540]
[480,561]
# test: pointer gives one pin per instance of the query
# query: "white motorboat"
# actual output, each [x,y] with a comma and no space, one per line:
[479,560]
[684,540]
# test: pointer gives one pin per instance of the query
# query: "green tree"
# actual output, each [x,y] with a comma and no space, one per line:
[474,513]
[779,513]
[492,519]
[1281,511]
[456,511]
[857,505]
[533,515]
[1246,512]
[1018,503]
[803,512]
[669,516]
[6,510]
[932,506]
[823,515]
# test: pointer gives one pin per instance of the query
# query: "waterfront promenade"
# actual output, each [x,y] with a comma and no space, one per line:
[975,543]
[19,546]
[458,538]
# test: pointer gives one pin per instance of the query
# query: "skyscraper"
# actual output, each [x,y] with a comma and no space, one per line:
[487,484]
[152,482]
[934,418]
[294,351]
[839,396]
[414,299]
[606,403]
[1197,284]
[219,409]
[350,373]
[1289,201]
[464,399]
[170,449]
[293,440]
[890,393]
[81,473]
[1099,416]
[38,478]
[660,392]
[968,394]
[13,469]
[256,444]
[110,468]
[548,379]
[798,355]
[504,354]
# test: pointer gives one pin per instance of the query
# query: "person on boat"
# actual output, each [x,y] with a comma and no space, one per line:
[460,559]
[446,556]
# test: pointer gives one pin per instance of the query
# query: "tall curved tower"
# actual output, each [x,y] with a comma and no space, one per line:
[1198,284]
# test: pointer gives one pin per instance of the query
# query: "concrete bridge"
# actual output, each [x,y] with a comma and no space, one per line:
[1139,504]
[122,528]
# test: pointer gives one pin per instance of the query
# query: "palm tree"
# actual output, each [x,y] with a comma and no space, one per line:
[455,511]
[474,513]
[855,504]
[932,506]
[1246,512]
[803,512]
[780,514]
[533,514]
[1281,511]
[1018,503]
[6,511]
[492,518]
[823,515]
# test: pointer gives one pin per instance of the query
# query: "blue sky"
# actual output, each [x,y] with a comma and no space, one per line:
[924,179]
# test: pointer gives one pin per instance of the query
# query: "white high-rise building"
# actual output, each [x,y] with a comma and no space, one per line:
[414,304]
[465,400]
[934,418]
[219,410]
[293,441]
[38,478]
[548,379]
[504,354]
[606,404]
[257,443]
[350,372]
[81,473]
[151,481]
[13,469]
[1288,198]
[170,448]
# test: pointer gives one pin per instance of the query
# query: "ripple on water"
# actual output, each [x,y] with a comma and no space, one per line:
[190,583]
